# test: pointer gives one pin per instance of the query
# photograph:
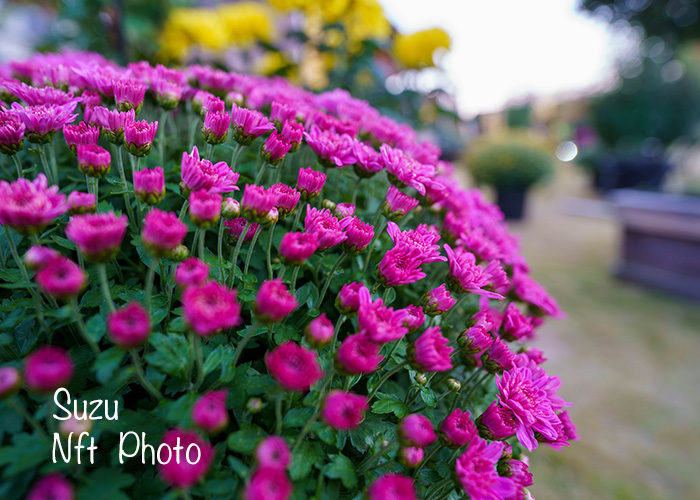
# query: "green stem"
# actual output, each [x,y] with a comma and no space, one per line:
[236,251]
[15,405]
[197,340]
[202,234]
[295,274]
[15,254]
[162,136]
[138,365]
[384,378]
[122,176]
[250,249]
[234,156]
[427,458]
[220,241]
[244,341]
[45,163]
[209,152]
[52,155]
[377,235]
[329,278]
[81,327]
[437,487]
[149,282]
[278,415]
[391,354]
[261,172]
[183,210]
[269,249]
[369,462]
[297,217]
[319,407]
[102,273]
[340,322]
[18,164]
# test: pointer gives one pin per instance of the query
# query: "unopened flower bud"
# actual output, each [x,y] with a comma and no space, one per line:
[410,456]
[230,209]
[272,216]
[454,385]
[77,424]
[421,379]
[328,204]
[254,405]
[179,254]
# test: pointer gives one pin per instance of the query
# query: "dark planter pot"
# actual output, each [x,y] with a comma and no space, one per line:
[512,202]
[638,171]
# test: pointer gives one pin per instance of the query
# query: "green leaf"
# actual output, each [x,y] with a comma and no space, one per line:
[308,455]
[389,403]
[428,396]
[390,296]
[27,451]
[171,353]
[108,361]
[341,468]
[246,439]
[284,332]
[106,484]
[96,327]
[213,360]
[297,417]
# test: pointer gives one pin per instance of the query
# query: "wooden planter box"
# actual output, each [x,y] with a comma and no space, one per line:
[661,240]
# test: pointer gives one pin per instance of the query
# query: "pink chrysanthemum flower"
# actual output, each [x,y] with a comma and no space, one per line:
[97,236]
[149,185]
[248,125]
[457,429]
[357,354]
[359,235]
[267,483]
[81,203]
[295,248]
[42,122]
[397,204]
[496,423]
[139,137]
[257,202]
[273,302]
[342,210]
[421,240]
[53,486]
[166,92]
[515,325]
[410,456]
[39,256]
[380,323]
[10,381]
[403,170]
[215,127]
[287,198]
[476,471]
[528,290]
[400,266]
[230,208]
[29,206]
[162,232]
[61,278]
[38,96]
[319,332]
[517,472]
[430,352]
[202,174]
[474,340]
[310,183]
[93,160]
[128,94]
[47,369]
[11,132]
[327,228]
[210,308]
[209,412]
[437,301]
[416,430]
[369,160]
[130,326]
[294,367]
[275,148]
[184,475]
[348,300]
[466,275]
[281,112]
[190,272]
[332,149]
[212,104]
[293,133]
[344,410]
[80,134]
[414,318]
[392,486]
[273,452]
[112,122]
[234,228]
[205,208]
[498,357]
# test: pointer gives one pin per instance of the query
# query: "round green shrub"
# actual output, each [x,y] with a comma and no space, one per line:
[511,166]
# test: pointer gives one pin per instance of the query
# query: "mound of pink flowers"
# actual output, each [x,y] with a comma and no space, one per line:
[291,283]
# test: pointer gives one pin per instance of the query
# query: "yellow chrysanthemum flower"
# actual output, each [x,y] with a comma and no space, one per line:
[417,49]
[365,20]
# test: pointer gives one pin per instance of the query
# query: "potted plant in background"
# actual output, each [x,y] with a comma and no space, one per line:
[511,169]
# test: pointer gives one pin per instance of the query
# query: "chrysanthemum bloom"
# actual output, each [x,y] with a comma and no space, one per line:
[184,475]
[410,456]
[369,160]
[11,132]
[167,93]
[128,94]
[457,429]
[97,236]
[397,204]
[149,185]
[348,300]
[268,483]
[29,206]
[416,430]
[310,183]
[42,122]
[325,226]
[275,148]
[400,266]
[61,278]
[342,210]
[273,302]
[230,208]
[47,369]
[430,352]
[380,323]
[257,202]
[496,422]
[80,134]
[39,256]
[248,125]
[205,208]
[421,241]
[293,133]
[466,275]
[210,308]
[113,122]
[198,100]
[404,171]
[357,354]
[359,236]
[474,340]
[162,232]
[287,198]
[517,472]
[294,367]
[81,203]
[437,301]
[234,228]
[569,427]
[281,112]
[319,332]
[414,318]
[191,272]
[53,486]
[215,127]
[130,326]
[528,290]
[209,412]
[10,381]
[76,423]
[344,410]
[273,452]
[392,486]
[476,471]
[332,149]
[202,174]
[515,324]
[212,104]
[139,137]
[498,357]
[295,248]
[93,160]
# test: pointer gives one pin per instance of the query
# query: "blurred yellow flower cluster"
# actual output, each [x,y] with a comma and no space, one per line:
[235,24]
[417,49]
